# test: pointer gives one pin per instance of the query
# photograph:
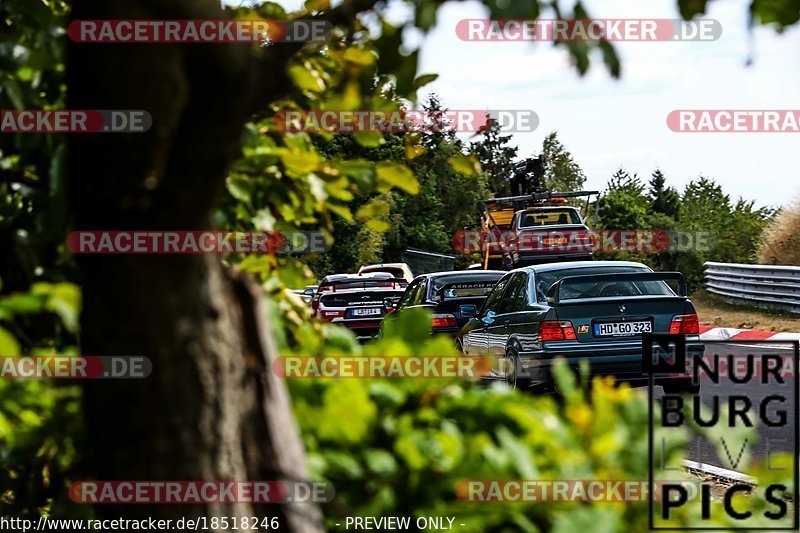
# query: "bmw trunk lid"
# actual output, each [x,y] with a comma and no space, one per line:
[619,307]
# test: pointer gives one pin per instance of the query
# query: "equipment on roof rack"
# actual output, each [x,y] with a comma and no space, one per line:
[527,185]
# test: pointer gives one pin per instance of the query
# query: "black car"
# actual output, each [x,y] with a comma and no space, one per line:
[593,311]
[452,297]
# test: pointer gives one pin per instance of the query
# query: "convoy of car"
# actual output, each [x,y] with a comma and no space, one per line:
[526,318]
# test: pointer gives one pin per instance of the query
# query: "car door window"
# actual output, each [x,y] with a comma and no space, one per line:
[420,294]
[520,298]
[493,300]
[508,301]
[408,296]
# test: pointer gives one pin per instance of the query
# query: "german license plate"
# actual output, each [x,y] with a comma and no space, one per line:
[614,329]
[371,311]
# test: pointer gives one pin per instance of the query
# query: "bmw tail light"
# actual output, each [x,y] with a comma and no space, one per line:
[444,321]
[685,325]
[556,330]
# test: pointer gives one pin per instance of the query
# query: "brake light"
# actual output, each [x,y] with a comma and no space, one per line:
[444,321]
[554,330]
[685,325]
[330,315]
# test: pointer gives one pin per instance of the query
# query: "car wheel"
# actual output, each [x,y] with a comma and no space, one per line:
[511,375]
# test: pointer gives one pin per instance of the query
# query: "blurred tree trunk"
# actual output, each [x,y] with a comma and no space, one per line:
[212,409]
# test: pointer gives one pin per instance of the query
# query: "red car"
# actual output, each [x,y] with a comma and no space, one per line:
[548,235]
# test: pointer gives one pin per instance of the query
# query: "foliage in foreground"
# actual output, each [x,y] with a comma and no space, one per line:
[405,445]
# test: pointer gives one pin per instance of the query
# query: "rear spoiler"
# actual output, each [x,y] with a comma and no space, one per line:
[554,293]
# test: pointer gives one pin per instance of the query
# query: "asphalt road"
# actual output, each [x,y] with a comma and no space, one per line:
[776,439]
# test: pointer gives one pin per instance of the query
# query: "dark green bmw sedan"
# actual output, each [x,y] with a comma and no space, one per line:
[593,311]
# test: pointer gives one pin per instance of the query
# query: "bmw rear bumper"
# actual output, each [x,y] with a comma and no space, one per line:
[623,360]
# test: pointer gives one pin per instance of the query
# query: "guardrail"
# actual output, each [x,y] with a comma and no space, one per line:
[769,286]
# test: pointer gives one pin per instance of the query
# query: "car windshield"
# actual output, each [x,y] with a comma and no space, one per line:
[550,217]
[598,289]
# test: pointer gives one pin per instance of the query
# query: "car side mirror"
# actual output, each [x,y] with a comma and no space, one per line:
[468,311]
[488,318]
[552,294]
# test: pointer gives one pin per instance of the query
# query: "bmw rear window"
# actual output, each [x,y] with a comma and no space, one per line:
[598,289]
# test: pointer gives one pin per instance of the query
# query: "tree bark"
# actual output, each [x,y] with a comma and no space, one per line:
[211,409]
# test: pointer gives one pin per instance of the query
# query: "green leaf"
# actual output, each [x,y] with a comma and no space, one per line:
[346,396]
[375,208]
[398,175]
[406,73]
[359,56]
[782,12]
[378,225]
[8,344]
[413,147]
[240,187]
[690,8]
[317,5]
[369,139]
[465,164]
[300,163]
[63,299]
[423,80]
[341,210]
[426,15]
[22,303]
[380,462]
[359,170]
[414,151]
[306,79]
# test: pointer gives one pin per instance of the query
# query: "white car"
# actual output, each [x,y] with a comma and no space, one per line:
[356,301]
[398,270]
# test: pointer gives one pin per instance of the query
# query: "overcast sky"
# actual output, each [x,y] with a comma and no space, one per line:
[609,123]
